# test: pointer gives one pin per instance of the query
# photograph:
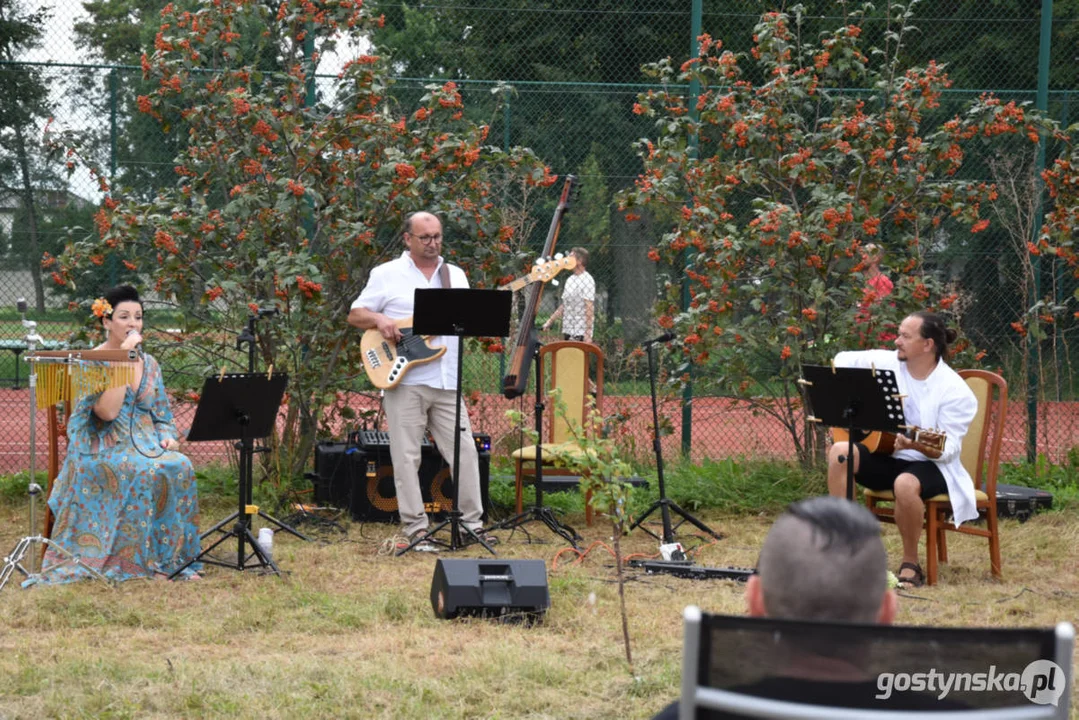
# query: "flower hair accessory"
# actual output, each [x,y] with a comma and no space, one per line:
[101,308]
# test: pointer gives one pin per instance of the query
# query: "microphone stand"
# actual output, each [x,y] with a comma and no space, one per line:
[664,505]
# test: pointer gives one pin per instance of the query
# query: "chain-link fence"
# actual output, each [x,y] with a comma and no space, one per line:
[575,70]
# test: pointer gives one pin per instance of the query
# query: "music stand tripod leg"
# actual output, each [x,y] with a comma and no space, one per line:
[282,526]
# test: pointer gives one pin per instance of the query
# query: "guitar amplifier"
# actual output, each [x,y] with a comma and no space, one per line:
[361,478]
[338,468]
[369,439]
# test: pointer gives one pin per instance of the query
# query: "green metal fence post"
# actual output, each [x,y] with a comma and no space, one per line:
[694,91]
[1042,104]
[505,146]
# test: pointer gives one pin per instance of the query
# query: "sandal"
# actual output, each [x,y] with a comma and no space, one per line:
[915,581]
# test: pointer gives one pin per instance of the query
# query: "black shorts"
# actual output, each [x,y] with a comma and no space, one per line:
[878,472]
[578,338]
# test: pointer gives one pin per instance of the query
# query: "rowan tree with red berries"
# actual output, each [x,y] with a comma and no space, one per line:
[288,196]
[777,174]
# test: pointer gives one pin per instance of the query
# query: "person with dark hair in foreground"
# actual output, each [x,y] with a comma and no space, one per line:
[125,500]
[934,398]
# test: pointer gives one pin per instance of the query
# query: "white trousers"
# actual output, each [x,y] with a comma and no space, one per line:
[410,410]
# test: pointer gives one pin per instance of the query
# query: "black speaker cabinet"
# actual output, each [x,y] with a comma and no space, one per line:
[362,480]
[338,468]
[490,588]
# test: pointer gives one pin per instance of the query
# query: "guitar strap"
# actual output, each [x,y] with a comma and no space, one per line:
[444,275]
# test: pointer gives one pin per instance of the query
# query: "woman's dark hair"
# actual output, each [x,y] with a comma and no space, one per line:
[121,294]
[933,328]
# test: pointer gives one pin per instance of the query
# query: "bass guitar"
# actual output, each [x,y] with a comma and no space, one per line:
[386,362]
[544,271]
[883,443]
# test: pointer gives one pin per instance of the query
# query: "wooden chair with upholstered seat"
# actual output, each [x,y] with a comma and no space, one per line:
[569,366]
[981,457]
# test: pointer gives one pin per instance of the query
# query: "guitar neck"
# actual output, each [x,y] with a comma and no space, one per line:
[518,284]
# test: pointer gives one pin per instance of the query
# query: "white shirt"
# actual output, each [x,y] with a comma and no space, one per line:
[942,401]
[390,290]
[580,289]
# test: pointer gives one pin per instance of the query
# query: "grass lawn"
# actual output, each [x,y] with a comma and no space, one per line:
[348,633]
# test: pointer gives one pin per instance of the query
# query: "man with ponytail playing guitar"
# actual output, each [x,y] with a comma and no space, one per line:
[425,396]
[934,397]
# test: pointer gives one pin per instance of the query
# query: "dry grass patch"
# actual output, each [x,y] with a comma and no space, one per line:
[351,634]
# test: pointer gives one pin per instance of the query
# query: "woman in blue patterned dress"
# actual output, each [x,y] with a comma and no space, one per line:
[125,500]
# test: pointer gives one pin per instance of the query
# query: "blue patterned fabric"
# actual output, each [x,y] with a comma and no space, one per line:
[124,505]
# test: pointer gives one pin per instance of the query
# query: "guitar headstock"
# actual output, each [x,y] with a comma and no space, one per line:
[545,269]
[570,190]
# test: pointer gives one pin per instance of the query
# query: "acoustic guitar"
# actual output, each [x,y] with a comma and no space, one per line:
[387,362]
[883,443]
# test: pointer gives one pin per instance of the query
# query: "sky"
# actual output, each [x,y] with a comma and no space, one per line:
[58,46]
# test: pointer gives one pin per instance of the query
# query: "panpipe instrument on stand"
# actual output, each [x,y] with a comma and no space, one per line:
[71,374]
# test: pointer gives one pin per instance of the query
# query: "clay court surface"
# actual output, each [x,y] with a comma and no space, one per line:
[721,428]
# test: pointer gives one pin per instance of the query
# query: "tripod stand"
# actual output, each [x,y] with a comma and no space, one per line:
[538,511]
[240,406]
[460,313]
[664,505]
[28,545]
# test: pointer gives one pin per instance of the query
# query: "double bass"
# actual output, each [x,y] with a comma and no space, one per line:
[516,380]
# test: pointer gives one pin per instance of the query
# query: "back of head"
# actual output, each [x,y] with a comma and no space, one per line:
[582,256]
[824,560]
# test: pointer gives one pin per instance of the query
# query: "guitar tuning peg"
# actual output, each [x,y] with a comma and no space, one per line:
[558,256]
[554,282]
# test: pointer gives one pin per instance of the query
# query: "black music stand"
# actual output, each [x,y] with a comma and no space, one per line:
[459,313]
[239,406]
[858,399]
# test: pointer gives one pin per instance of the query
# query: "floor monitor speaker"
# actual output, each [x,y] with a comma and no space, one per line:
[490,588]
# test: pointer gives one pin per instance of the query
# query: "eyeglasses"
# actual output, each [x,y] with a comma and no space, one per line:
[428,239]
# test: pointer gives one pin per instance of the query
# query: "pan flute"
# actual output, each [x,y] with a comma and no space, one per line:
[71,374]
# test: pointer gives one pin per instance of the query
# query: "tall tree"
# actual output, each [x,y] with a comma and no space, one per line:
[796,175]
[276,200]
[23,113]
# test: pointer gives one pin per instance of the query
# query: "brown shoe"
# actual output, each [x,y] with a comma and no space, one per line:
[910,581]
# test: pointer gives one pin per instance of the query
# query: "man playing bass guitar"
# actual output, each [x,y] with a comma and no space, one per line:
[425,396]
[935,397]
